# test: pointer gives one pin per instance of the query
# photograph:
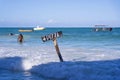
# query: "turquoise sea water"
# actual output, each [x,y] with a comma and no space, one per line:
[84,51]
[76,37]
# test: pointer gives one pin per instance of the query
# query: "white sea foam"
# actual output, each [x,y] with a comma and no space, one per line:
[96,64]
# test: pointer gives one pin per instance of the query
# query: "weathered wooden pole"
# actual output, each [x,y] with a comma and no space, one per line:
[57,50]
[54,37]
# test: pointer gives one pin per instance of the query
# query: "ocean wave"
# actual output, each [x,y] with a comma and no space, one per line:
[68,70]
[79,63]
[81,70]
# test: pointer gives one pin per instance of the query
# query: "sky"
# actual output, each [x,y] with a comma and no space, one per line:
[59,13]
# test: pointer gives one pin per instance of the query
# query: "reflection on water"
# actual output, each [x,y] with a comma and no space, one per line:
[12,75]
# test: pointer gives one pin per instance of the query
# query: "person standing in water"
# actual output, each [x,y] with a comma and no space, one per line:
[20,38]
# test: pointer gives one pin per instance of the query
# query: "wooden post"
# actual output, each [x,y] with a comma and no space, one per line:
[57,50]
[53,37]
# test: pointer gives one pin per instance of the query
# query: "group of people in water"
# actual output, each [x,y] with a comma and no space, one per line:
[20,37]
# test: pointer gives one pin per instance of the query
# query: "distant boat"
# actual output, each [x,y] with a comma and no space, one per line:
[25,30]
[102,28]
[38,28]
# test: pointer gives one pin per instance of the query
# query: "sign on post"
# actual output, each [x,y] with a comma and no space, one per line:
[53,37]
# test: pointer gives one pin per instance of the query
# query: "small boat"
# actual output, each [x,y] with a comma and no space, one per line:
[38,28]
[102,28]
[25,30]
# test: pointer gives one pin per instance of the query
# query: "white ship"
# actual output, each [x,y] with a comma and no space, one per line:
[38,28]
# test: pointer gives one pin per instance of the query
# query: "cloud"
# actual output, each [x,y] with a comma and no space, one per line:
[51,21]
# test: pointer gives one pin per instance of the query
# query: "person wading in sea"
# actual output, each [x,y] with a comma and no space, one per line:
[20,38]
